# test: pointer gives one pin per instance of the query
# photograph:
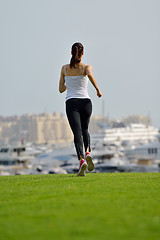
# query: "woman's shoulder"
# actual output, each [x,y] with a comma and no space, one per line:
[87,66]
[82,65]
[65,66]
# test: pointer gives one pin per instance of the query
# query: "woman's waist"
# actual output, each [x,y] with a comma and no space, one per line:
[77,94]
[78,100]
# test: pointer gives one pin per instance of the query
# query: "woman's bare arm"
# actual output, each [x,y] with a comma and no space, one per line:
[92,79]
[62,86]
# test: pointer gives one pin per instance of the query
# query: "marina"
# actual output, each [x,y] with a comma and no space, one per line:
[120,148]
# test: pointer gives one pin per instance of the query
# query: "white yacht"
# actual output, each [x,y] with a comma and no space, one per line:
[14,155]
[149,151]
[120,132]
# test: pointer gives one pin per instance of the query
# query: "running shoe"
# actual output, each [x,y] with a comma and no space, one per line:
[89,161]
[82,168]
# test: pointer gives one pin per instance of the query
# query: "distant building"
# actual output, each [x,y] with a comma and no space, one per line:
[37,128]
[95,121]
[48,128]
[137,119]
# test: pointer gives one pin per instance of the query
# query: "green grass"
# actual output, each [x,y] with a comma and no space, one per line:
[99,206]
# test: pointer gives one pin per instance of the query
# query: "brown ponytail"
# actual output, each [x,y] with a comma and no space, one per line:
[77,50]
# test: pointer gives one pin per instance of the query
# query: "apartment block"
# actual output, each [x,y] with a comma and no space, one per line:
[40,128]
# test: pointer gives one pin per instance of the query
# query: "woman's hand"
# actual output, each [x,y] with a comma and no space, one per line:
[99,94]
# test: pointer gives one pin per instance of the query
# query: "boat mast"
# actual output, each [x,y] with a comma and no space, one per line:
[103,109]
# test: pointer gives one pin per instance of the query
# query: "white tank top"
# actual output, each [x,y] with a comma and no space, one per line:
[77,86]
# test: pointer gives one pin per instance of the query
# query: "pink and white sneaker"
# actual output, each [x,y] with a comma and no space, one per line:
[89,161]
[82,168]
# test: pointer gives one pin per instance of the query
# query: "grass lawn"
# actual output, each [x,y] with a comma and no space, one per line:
[99,206]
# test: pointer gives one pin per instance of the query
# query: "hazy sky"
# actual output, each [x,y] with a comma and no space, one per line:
[121,40]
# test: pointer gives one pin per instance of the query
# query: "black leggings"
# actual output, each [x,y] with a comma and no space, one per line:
[78,114]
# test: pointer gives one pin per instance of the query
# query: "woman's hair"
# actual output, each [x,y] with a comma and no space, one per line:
[77,49]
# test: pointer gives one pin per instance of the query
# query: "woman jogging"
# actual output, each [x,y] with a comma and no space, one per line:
[74,79]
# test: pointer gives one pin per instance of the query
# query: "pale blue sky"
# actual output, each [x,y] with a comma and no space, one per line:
[121,40]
